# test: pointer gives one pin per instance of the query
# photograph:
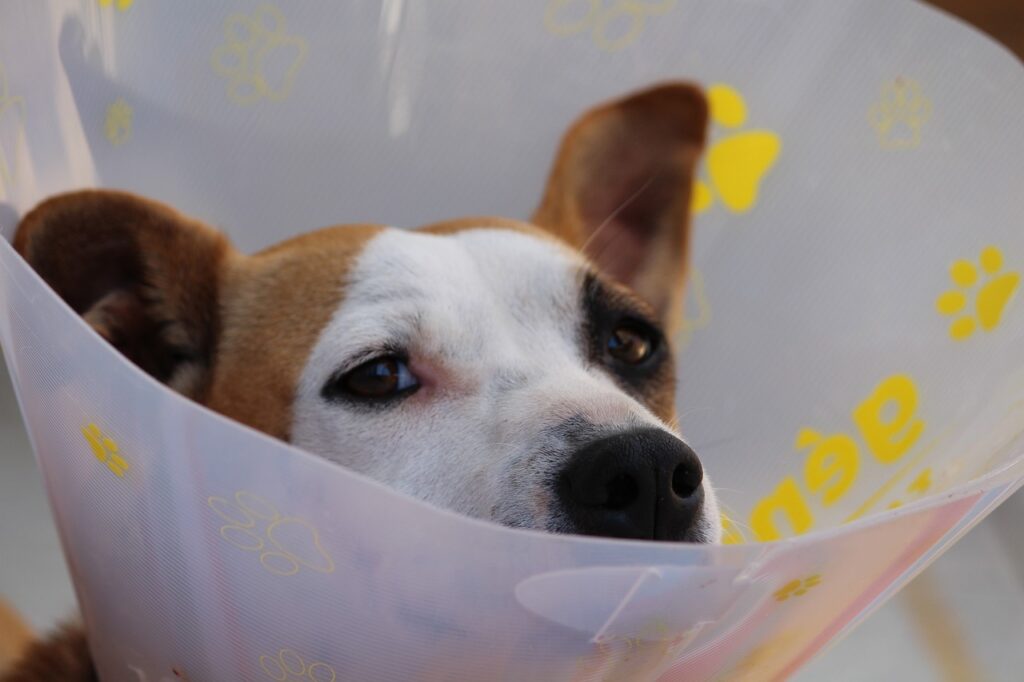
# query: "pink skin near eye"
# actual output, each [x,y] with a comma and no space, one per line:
[428,377]
[434,378]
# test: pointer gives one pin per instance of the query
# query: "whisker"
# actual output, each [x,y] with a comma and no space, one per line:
[614,214]
[734,519]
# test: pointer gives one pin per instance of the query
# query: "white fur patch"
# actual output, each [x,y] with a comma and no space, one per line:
[491,320]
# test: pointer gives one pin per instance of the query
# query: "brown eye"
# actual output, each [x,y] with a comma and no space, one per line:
[375,380]
[630,344]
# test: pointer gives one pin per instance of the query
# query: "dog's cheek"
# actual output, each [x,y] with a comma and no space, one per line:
[711,514]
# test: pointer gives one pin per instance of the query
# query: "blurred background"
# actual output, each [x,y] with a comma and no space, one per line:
[962,619]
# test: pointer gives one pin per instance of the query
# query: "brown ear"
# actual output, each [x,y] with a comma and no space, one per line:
[144,276]
[620,190]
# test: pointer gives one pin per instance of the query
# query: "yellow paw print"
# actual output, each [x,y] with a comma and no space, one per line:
[289,666]
[122,5]
[612,26]
[797,588]
[11,109]
[899,116]
[284,543]
[118,124]
[737,162]
[991,297]
[258,57]
[105,449]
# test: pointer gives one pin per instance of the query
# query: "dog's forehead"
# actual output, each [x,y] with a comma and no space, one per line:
[303,305]
[469,264]
[454,286]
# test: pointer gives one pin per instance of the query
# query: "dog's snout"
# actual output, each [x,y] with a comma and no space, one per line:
[643,484]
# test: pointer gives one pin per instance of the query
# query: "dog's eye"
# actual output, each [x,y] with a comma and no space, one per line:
[376,380]
[632,344]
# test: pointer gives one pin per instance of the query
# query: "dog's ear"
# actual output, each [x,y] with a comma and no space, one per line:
[620,190]
[142,275]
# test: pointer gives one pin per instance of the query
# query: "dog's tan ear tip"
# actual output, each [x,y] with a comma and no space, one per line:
[685,93]
[58,205]
[681,103]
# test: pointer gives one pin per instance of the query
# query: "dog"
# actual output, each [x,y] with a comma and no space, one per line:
[519,372]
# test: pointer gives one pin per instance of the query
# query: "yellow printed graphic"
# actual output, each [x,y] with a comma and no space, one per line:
[11,108]
[899,116]
[788,501]
[831,467]
[259,58]
[289,666]
[122,5]
[989,287]
[888,425]
[797,588]
[697,311]
[612,25]
[105,449]
[889,438]
[921,484]
[737,162]
[285,544]
[118,124]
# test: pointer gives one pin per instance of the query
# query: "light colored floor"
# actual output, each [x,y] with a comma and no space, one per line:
[963,619]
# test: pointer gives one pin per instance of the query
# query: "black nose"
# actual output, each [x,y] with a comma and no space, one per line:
[643,484]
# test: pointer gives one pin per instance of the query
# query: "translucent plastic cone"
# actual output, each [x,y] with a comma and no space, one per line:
[850,366]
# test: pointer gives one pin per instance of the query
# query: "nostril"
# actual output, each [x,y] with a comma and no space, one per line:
[686,480]
[622,491]
[643,484]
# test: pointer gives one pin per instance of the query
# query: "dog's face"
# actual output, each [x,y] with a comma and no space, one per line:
[516,372]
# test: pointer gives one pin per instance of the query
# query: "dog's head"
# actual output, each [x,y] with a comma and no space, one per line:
[518,372]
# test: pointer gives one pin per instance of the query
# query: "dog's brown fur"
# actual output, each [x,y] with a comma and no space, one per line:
[15,635]
[262,349]
[602,174]
[231,331]
[63,657]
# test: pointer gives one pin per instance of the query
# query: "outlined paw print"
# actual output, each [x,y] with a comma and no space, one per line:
[122,5]
[105,449]
[258,57]
[991,296]
[613,26]
[899,116]
[118,124]
[289,666]
[697,311]
[797,588]
[12,111]
[737,162]
[285,543]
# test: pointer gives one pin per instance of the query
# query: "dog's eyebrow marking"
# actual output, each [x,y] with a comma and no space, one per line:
[604,305]
[601,296]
